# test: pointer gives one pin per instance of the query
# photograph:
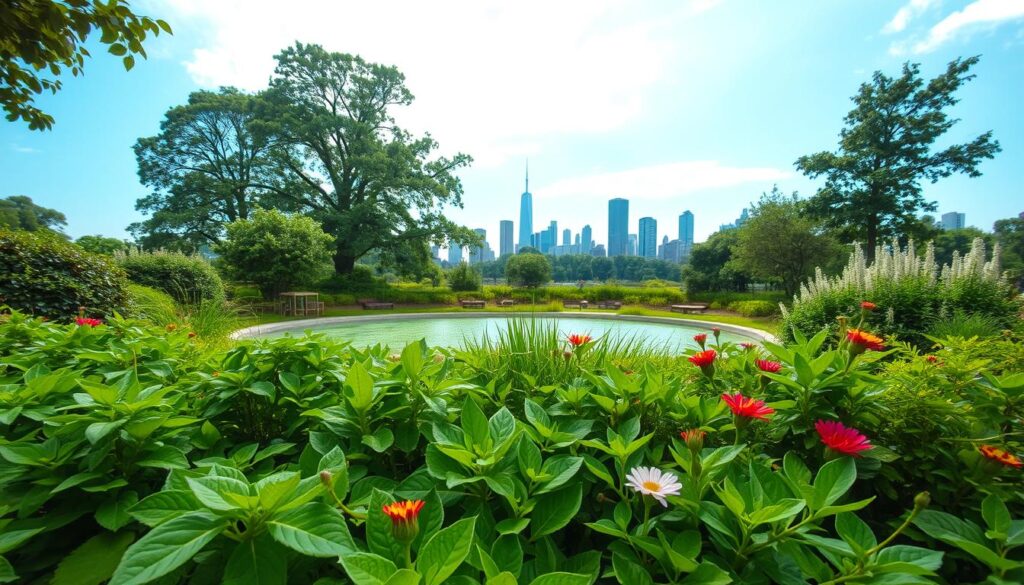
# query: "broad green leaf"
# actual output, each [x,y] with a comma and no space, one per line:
[554,510]
[313,529]
[7,574]
[907,559]
[113,514]
[445,551]
[560,469]
[381,439]
[167,547]
[368,568]
[11,539]
[707,574]
[833,480]
[503,578]
[335,462]
[474,424]
[275,489]
[257,561]
[404,577]
[211,491]
[528,456]
[511,525]
[996,516]
[628,572]
[783,510]
[378,528]
[96,431]
[162,506]
[507,552]
[361,383]
[94,561]
[563,579]
[501,426]
[855,532]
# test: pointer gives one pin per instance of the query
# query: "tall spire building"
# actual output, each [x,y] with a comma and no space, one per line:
[526,213]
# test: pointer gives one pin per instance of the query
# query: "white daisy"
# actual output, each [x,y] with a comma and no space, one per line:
[651,481]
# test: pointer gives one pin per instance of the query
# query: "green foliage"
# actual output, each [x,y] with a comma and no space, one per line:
[188,279]
[780,244]
[275,251]
[270,461]
[463,278]
[528,270]
[966,325]
[51,35]
[18,212]
[102,245]
[42,274]
[755,308]
[211,321]
[873,181]
[710,268]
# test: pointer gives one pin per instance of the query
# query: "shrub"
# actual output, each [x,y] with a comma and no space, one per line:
[275,251]
[188,279]
[210,321]
[42,274]
[911,293]
[528,270]
[464,278]
[965,326]
[755,308]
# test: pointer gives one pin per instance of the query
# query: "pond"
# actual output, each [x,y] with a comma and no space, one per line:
[397,331]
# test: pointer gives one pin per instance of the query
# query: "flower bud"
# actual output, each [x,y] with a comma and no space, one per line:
[922,500]
[404,516]
[326,478]
[694,439]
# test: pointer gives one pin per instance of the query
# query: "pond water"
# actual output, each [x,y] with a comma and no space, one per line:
[453,331]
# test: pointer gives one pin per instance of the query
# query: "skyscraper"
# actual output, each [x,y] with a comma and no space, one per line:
[526,213]
[954,220]
[566,237]
[505,245]
[478,254]
[586,240]
[631,246]
[686,227]
[618,227]
[648,240]
[552,236]
[454,254]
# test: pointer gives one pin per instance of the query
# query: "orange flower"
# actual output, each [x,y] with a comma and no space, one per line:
[577,340]
[191,334]
[745,407]
[171,327]
[862,340]
[404,519]
[868,305]
[1000,456]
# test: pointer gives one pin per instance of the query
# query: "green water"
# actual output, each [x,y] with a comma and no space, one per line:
[448,331]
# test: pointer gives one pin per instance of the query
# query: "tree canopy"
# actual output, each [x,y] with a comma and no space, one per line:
[50,35]
[18,212]
[528,270]
[710,268]
[101,244]
[873,180]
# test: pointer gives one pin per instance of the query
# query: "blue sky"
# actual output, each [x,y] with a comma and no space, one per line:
[698,105]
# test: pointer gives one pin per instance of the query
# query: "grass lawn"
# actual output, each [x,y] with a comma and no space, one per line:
[768,324]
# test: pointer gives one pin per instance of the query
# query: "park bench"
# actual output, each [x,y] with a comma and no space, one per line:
[575,304]
[609,305]
[371,304]
[506,303]
[690,308]
[473,304]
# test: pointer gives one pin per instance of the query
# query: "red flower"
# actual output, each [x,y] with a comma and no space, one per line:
[841,438]
[703,359]
[868,305]
[931,359]
[191,334]
[700,338]
[768,366]
[88,321]
[404,519]
[747,407]
[577,340]
[1000,456]
[716,330]
[747,345]
[865,341]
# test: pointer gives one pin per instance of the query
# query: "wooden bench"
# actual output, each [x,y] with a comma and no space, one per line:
[371,305]
[473,304]
[506,303]
[574,304]
[609,305]
[690,308]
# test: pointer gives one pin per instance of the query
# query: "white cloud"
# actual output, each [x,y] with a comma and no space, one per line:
[907,12]
[24,149]
[490,78]
[660,182]
[980,14]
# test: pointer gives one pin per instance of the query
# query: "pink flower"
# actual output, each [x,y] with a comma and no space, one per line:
[88,321]
[842,439]
[747,407]
[768,366]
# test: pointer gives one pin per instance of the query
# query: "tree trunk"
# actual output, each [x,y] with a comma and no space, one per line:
[869,253]
[344,263]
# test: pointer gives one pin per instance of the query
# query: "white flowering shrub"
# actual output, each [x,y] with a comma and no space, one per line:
[912,292]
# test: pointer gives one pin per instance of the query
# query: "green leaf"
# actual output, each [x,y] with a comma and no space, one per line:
[11,539]
[264,388]
[361,383]
[445,551]
[555,510]
[257,561]
[996,516]
[907,559]
[96,431]
[7,574]
[113,514]
[273,490]
[507,553]
[211,491]
[561,468]
[855,532]
[162,506]
[629,573]
[784,510]
[404,577]
[335,462]
[834,479]
[511,525]
[563,579]
[94,561]
[313,529]
[167,547]
[707,574]
[501,426]
[368,568]
[129,62]
[381,439]
[378,528]
[503,578]
[474,424]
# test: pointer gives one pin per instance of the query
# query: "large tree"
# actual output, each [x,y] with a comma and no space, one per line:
[50,36]
[19,212]
[207,167]
[873,181]
[780,243]
[710,268]
[371,184]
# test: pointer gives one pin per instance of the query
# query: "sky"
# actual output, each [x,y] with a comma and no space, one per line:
[697,105]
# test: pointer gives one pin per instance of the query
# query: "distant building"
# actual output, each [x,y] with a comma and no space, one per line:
[566,237]
[618,227]
[673,251]
[742,219]
[954,220]
[454,254]
[686,227]
[478,254]
[562,250]
[435,254]
[648,238]
[587,240]
[526,213]
[505,245]
[631,246]
[598,251]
